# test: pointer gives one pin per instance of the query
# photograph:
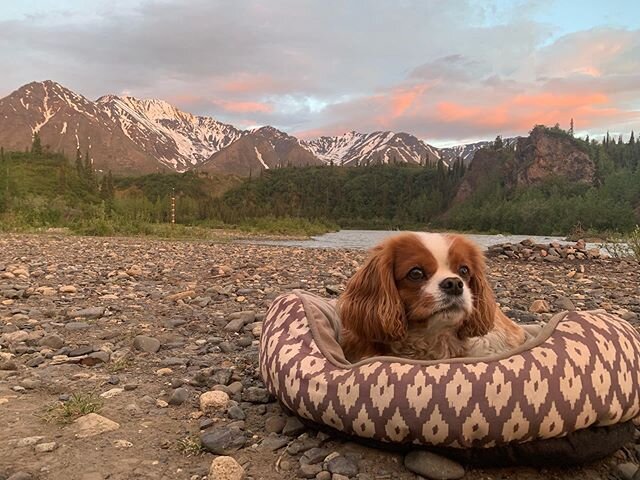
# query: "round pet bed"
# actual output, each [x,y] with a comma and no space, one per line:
[580,371]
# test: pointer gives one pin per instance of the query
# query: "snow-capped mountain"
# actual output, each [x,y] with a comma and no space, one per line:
[133,136]
[177,139]
[468,150]
[262,149]
[355,148]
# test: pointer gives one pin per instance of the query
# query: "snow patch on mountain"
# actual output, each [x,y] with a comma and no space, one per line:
[354,148]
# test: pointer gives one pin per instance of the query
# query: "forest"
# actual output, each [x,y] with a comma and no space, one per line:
[40,189]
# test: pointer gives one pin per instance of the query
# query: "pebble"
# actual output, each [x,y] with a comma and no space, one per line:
[540,306]
[55,342]
[256,395]
[309,471]
[146,344]
[433,466]
[179,396]
[236,413]
[68,289]
[93,424]
[564,303]
[274,424]
[214,401]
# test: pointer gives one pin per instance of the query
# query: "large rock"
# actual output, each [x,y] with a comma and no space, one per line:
[226,468]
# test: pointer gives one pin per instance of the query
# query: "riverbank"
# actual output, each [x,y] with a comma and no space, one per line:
[138,328]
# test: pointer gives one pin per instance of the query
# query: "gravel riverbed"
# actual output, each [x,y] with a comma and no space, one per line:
[107,346]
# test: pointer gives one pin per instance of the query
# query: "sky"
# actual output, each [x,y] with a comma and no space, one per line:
[447,71]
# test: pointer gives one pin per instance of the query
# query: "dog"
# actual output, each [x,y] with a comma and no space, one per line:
[424,296]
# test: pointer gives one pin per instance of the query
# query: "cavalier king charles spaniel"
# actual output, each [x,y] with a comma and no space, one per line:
[424,296]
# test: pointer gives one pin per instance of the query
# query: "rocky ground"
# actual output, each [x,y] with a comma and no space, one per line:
[108,345]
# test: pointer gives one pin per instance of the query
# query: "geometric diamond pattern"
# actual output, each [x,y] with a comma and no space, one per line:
[587,373]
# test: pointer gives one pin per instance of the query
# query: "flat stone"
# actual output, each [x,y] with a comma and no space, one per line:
[273,443]
[256,395]
[112,393]
[46,447]
[341,465]
[293,427]
[432,466]
[68,289]
[74,326]
[627,470]
[93,312]
[83,350]
[93,424]
[223,440]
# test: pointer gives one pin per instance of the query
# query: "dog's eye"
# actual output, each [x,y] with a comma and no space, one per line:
[415,274]
[463,271]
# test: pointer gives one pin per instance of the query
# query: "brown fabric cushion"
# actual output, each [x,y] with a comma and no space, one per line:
[582,370]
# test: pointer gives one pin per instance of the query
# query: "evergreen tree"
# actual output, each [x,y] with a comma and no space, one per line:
[79,166]
[36,145]
[571,128]
[632,139]
[1,154]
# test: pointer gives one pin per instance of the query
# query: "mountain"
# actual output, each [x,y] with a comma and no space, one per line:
[123,134]
[543,155]
[174,138]
[68,122]
[261,149]
[355,148]
[468,150]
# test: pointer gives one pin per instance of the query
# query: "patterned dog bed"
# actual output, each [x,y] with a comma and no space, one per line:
[580,371]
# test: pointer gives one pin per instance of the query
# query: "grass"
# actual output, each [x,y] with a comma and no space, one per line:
[120,365]
[190,446]
[78,405]
[623,245]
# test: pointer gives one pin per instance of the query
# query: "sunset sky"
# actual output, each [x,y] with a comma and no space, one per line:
[445,71]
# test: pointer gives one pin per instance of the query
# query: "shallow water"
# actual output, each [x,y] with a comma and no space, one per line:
[365,239]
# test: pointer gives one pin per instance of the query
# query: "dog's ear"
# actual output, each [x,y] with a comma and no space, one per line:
[371,306]
[482,318]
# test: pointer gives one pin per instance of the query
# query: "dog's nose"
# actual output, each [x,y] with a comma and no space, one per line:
[452,286]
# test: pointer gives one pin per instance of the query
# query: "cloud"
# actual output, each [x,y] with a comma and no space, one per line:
[461,69]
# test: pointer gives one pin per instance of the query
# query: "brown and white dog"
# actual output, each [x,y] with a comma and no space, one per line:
[424,296]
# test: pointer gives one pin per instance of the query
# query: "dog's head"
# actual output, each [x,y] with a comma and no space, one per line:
[419,280]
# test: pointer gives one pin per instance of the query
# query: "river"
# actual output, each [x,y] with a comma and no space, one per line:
[365,239]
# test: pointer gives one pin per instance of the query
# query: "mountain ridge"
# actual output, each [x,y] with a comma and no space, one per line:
[126,134]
